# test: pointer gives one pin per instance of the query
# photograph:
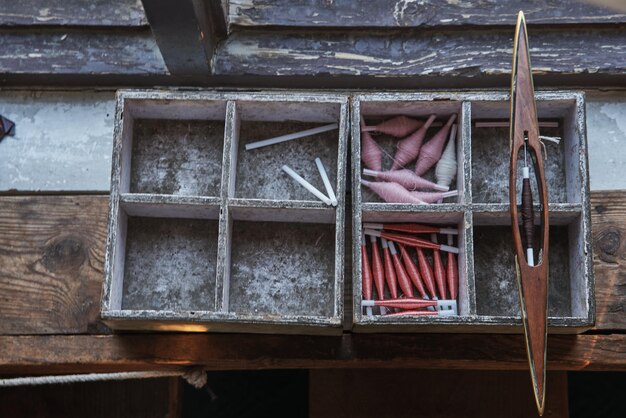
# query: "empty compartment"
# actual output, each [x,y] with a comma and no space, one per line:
[174,147]
[494,268]
[491,151]
[376,112]
[448,220]
[169,264]
[257,172]
[284,269]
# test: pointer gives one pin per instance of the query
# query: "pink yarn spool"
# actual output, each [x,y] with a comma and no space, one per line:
[413,272]
[409,147]
[371,154]
[432,197]
[391,192]
[431,151]
[406,178]
[390,273]
[452,272]
[398,126]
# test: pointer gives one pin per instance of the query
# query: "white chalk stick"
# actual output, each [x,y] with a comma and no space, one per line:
[326,180]
[307,185]
[289,137]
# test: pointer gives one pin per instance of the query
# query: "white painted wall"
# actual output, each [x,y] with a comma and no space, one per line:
[63,140]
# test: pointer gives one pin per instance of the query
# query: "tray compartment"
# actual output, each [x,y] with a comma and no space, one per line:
[466,294]
[280,268]
[383,107]
[257,173]
[491,150]
[174,147]
[166,262]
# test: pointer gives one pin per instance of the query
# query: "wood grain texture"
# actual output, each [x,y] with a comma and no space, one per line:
[51,263]
[79,51]
[314,58]
[123,13]
[462,54]
[608,219]
[399,393]
[81,353]
[117,399]
[412,13]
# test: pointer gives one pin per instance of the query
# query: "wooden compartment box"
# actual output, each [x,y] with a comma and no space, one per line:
[488,299]
[205,235]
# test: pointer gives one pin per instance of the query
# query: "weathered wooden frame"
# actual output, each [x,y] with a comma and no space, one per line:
[568,106]
[226,208]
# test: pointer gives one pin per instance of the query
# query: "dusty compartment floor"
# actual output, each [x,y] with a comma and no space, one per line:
[282,268]
[259,173]
[177,157]
[490,166]
[496,285]
[170,264]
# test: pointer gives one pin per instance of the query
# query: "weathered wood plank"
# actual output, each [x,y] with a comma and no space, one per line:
[431,393]
[147,398]
[465,55]
[123,13]
[608,218]
[79,51]
[355,59]
[51,263]
[412,13]
[62,141]
[80,353]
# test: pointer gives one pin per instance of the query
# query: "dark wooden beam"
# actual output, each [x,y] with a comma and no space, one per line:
[118,13]
[403,13]
[187,32]
[425,59]
[70,51]
[464,55]
[81,353]
[344,393]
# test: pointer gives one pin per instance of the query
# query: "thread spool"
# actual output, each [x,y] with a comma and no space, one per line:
[390,273]
[431,151]
[411,228]
[439,270]
[406,178]
[409,147]
[391,192]
[426,272]
[433,197]
[403,278]
[403,303]
[446,168]
[409,240]
[398,126]
[452,272]
[378,272]
[371,154]
[366,273]
[412,271]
